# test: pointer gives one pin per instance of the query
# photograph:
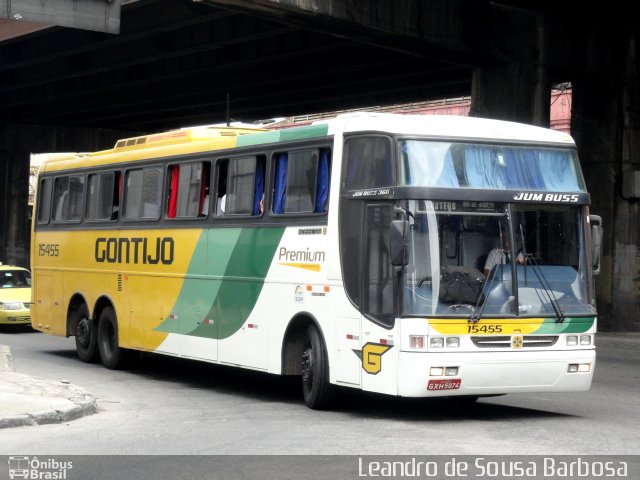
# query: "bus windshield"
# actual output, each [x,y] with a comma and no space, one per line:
[470,165]
[463,257]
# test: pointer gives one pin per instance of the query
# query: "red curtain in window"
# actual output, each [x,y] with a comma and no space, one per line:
[173,193]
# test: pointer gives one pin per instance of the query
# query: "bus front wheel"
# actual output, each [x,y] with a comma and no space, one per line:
[86,335]
[317,391]
[112,355]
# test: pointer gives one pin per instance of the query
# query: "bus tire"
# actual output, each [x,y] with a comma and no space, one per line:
[317,391]
[112,355]
[86,333]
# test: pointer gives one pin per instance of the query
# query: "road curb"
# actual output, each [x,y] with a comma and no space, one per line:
[81,409]
[40,393]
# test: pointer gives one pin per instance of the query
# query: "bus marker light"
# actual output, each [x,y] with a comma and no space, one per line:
[453,342]
[416,341]
[579,367]
[450,371]
[436,371]
[327,288]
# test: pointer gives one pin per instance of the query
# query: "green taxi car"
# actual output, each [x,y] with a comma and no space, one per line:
[15,295]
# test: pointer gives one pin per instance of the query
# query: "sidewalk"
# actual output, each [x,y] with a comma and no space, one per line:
[30,400]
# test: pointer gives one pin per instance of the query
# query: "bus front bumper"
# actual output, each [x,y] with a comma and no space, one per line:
[494,373]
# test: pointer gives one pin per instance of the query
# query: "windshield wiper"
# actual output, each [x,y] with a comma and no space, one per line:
[477,314]
[530,259]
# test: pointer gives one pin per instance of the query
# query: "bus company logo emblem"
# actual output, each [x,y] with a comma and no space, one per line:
[371,356]
[517,341]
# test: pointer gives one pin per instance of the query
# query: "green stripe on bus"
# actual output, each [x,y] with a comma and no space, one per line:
[238,260]
[290,134]
[243,281]
[204,277]
[569,325]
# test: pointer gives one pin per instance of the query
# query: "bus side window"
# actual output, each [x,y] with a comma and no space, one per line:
[68,193]
[368,163]
[44,200]
[301,181]
[103,196]
[244,187]
[143,193]
[188,190]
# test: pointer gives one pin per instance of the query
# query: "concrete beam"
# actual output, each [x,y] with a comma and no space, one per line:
[456,31]
[97,15]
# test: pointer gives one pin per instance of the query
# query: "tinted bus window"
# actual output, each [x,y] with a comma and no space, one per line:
[67,198]
[143,194]
[44,200]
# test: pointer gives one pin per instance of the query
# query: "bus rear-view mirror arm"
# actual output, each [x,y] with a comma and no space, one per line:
[596,242]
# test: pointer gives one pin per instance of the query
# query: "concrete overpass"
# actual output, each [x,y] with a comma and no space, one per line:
[182,62]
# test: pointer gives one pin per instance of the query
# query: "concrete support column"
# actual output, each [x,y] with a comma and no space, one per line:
[626,245]
[596,126]
[516,91]
[17,143]
[606,126]
[14,209]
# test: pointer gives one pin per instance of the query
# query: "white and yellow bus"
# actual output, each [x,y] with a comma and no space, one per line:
[369,251]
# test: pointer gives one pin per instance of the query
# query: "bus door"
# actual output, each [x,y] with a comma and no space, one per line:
[379,352]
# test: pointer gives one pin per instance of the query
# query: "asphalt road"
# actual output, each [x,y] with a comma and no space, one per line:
[168,406]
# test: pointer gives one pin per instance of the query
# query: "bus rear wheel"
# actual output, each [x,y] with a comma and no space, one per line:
[318,392]
[86,334]
[112,355]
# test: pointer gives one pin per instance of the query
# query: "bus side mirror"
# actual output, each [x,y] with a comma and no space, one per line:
[596,242]
[399,243]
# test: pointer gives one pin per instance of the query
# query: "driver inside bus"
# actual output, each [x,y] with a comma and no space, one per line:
[502,256]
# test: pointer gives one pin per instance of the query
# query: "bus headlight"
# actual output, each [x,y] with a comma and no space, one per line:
[585,339]
[436,342]
[572,340]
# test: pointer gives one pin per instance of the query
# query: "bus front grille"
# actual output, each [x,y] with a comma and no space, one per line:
[505,341]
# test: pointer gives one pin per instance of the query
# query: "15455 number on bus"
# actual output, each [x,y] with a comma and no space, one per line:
[48,249]
[484,329]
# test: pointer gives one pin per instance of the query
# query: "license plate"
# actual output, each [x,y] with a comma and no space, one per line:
[452,384]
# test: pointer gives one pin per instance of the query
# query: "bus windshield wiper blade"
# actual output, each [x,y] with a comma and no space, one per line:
[560,316]
[476,316]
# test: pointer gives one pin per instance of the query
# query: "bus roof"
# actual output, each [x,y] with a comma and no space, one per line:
[449,126]
[211,138]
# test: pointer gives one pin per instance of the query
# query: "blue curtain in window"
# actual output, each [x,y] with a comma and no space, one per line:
[482,169]
[259,191]
[429,164]
[322,186]
[522,169]
[280,184]
[559,171]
